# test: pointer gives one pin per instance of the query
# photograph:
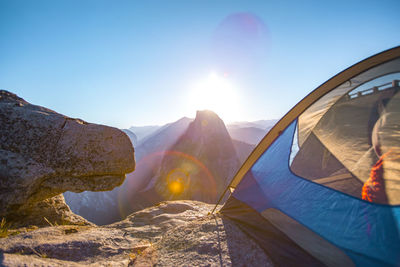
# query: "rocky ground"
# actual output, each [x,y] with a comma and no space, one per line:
[175,233]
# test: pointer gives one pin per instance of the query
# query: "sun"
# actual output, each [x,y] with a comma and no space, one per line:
[215,93]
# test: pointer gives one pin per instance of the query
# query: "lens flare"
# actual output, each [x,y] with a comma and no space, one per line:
[240,43]
[175,183]
[175,187]
[177,180]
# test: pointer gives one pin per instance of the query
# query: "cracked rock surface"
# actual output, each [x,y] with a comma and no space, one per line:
[173,233]
[43,154]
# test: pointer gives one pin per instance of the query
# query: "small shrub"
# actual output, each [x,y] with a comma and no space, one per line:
[4,228]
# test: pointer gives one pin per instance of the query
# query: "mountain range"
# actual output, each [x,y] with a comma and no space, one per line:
[187,159]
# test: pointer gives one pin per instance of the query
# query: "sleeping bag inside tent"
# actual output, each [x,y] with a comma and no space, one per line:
[323,186]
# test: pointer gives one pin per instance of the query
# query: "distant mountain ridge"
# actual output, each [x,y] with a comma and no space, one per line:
[262,124]
[199,165]
[250,132]
[162,138]
[198,148]
[143,131]
[243,149]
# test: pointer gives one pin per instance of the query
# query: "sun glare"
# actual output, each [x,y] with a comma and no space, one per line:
[176,180]
[175,187]
[215,93]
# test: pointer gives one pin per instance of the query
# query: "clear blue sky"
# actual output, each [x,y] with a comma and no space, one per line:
[125,63]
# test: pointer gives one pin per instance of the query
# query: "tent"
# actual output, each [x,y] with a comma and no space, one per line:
[322,188]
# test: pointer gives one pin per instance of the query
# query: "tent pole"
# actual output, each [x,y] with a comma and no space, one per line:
[221,197]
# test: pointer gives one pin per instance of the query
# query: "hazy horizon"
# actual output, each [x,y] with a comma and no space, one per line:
[192,118]
[131,63]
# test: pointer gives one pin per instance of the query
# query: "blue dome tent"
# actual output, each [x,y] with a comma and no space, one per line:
[322,188]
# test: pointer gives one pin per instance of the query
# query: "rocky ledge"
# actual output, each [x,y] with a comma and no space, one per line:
[174,233]
[43,154]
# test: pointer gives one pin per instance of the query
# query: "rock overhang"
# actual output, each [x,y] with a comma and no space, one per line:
[44,153]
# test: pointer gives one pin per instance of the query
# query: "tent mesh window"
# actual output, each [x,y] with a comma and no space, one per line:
[349,139]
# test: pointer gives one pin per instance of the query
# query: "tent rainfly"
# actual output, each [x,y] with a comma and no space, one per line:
[322,188]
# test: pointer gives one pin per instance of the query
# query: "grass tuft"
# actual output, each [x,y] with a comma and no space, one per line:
[40,253]
[48,221]
[4,228]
